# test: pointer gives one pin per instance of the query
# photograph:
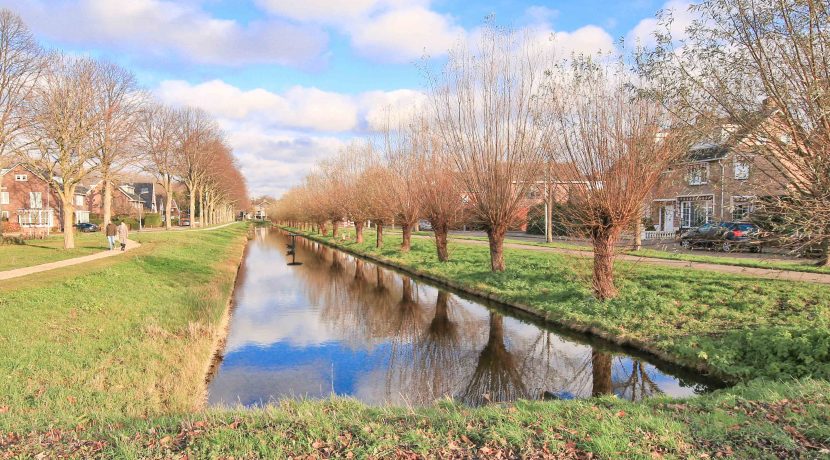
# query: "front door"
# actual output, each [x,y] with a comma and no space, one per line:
[668,218]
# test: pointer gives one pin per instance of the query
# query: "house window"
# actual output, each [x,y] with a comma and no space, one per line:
[4,197]
[696,213]
[698,174]
[35,200]
[21,177]
[79,200]
[741,207]
[5,215]
[741,168]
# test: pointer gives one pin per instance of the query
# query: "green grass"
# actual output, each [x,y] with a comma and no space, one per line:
[36,252]
[107,360]
[739,327]
[115,339]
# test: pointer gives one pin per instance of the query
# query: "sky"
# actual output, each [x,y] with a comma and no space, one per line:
[292,81]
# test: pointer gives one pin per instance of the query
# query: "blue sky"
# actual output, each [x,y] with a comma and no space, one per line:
[292,80]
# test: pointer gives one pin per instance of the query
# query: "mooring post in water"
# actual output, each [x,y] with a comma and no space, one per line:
[292,250]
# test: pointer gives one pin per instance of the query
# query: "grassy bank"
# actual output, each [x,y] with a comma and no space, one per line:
[804,266]
[107,360]
[738,327]
[117,338]
[36,252]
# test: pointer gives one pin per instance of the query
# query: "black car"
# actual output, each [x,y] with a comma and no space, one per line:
[87,227]
[724,236]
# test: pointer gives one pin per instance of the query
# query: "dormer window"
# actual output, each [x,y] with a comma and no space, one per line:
[21,177]
[741,168]
[698,174]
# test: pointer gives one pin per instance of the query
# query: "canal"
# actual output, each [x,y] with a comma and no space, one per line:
[337,324]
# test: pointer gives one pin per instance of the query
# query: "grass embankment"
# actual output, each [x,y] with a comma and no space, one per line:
[109,363]
[738,327]
[800,265]
[116,338]
[50,249]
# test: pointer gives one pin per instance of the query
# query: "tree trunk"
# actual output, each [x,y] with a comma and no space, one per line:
[334,228]
[2,223]
[106,202]
[496,238]
[601,373]
[323,229]
[68,211]
[379,228]
[406,243]
[168,204]
[201,208]
[192,209]
[603,280]
[549,219]
[825,249]
[441,242]
[638,235]
[358,231]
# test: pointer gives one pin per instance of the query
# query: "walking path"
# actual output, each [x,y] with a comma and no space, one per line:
[766,273]
[18,272]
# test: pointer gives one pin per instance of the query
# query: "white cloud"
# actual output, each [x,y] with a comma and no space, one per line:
[401,35]
[643,32]
[167,29]
[298,108]
[278,137]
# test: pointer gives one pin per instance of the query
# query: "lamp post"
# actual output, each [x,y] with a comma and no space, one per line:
[140,209]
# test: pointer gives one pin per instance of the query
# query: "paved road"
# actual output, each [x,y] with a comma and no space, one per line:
[766,273]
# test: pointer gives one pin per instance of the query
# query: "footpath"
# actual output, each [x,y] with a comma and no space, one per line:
[25,271]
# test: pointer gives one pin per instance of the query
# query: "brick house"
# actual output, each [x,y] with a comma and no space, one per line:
[29,201]
[716,181]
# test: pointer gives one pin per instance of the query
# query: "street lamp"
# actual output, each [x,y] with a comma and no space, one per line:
[140,209]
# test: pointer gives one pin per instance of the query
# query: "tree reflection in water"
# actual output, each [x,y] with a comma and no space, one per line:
[442,349]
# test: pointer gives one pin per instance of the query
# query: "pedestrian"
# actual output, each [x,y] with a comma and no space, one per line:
[111,231]
[123,232]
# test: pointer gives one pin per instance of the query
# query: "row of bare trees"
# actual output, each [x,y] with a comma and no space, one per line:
[504,110]
[75,118]
[498,115]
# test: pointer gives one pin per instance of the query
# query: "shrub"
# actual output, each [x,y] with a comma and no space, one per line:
[536,220]
[152,220]
[96,219]
[131,221]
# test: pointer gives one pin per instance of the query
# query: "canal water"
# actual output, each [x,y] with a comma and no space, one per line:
[337,324]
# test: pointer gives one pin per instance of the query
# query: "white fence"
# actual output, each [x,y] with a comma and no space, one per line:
[658,235]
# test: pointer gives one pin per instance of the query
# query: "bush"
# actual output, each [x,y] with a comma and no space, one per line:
[131,221]
[152,220]
[536,220]
[96,219]
[16,240]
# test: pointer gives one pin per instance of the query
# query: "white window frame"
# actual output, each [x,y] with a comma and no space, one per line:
[741,168]
[21,177]
[79,200]
[687,216]
[693,179]
[5,215]
[35,200]
[4,198]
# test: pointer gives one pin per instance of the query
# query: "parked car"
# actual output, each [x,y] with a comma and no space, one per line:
[87,227]
[724,236]
[184,222]
[424,225]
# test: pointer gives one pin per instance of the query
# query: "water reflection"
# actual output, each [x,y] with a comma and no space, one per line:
[338,324]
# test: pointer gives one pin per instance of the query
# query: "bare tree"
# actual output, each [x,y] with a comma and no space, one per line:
[120,103]
[439,192]
[612,142]
[63,123]
[21,64]
[196,130]
[762,67]
[400,146]
[486,109]
[156,137]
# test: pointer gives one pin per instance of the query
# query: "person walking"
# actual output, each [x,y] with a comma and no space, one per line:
[123,233]
[111,231]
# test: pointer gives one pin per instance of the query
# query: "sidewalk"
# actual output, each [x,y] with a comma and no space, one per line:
[18,272]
